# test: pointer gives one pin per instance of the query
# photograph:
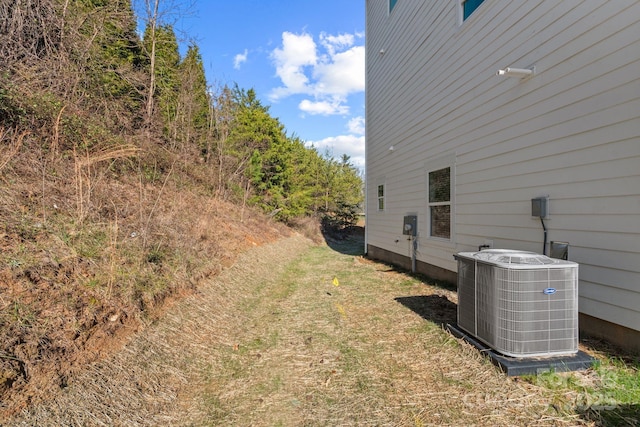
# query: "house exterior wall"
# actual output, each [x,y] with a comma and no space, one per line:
[570,132]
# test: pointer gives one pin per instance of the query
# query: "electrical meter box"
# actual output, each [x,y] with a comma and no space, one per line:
[410,225]
[540,207]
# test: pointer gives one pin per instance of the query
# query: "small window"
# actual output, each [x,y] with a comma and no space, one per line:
[381,197]
[468,7]
[440,203]
[392,3]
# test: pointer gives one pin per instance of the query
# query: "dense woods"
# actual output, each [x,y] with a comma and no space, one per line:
[78,73]
[126,177]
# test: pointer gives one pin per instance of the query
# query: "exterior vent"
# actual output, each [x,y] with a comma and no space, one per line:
[521,304]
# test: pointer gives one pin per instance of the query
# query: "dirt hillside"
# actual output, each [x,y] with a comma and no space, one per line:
[73,288]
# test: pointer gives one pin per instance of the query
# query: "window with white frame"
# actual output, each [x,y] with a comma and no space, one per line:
[381,197]
[468,7]
[440,192]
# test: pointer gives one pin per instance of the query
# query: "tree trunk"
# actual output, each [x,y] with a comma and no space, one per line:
[153,21]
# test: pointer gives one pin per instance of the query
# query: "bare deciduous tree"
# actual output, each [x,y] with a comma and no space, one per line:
[152,24]
[159,13]
[29,29]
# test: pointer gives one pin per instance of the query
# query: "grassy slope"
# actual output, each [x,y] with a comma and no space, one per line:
[94,245]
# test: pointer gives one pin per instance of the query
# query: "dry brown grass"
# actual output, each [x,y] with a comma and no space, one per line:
[94,246]
[86,174]
[295,334]
[143,383]
[14,145]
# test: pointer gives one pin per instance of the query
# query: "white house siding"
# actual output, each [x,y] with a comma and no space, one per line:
[572,132]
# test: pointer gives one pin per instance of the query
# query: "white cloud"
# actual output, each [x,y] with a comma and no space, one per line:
[341,41]
[336,146]
[356,125]
[297,52]
[324,108]
[343,74]
[330,76]
[239,59]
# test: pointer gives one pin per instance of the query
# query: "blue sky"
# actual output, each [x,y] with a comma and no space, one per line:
[304,58]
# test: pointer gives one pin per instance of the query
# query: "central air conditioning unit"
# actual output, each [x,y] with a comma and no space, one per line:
[521,304]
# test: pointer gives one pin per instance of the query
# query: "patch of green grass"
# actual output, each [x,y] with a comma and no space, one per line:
[427,327]
[350,358]
[618,382]
[408,283]
[213,407]
[363,384]
[609,393]
[22,256]
[22,314]
[259,343]
[155,256]
[91,244]
[234,366]
[92,283]
[285,288]
[264,388]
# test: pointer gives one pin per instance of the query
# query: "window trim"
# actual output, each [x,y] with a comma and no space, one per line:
[392,4]
[442,162]
[381,198]
[461,17]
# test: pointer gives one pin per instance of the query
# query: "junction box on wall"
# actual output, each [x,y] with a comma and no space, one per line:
[540,209]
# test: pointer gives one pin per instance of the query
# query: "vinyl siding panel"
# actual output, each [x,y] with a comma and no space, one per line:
[614,313]
[572,132]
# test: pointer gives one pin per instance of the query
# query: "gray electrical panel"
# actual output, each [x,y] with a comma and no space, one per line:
[540,207]
[410,225]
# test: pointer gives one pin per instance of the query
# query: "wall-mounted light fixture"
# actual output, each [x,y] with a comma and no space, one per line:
[381,52]
[392,148]
[516,72]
